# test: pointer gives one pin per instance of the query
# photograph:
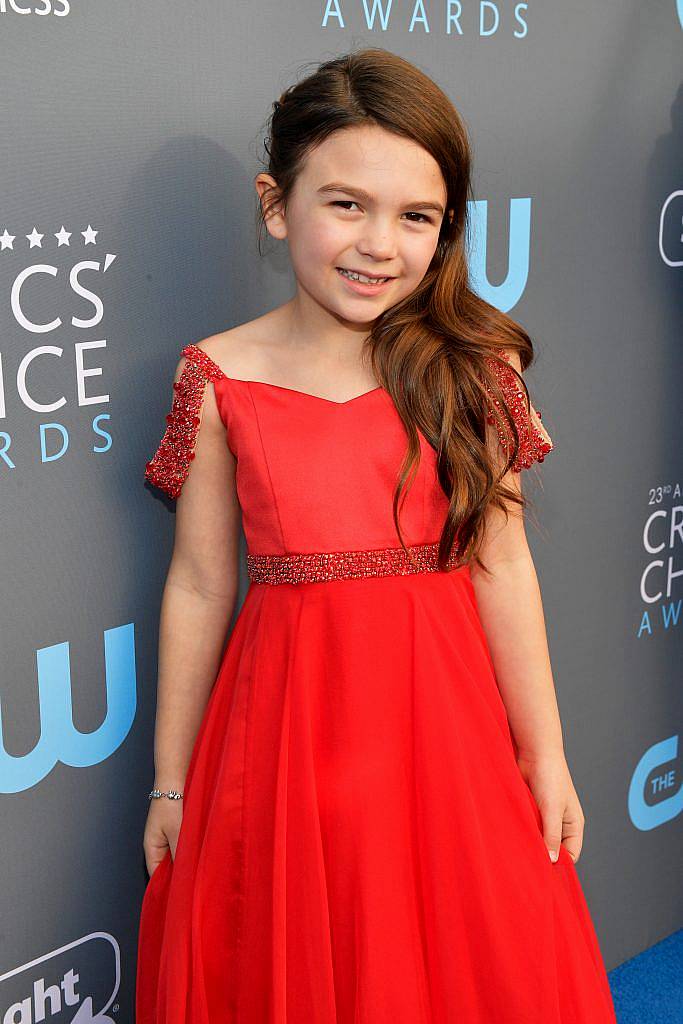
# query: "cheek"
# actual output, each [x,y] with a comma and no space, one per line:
[327,240]
[319,241]
[418,254]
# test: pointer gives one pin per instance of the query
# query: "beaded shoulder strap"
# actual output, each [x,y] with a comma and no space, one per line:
[169,466]
[534,440]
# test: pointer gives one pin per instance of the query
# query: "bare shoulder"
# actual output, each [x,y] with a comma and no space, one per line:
[512,356]
[243,351]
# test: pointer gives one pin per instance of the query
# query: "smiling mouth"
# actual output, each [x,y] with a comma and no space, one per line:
[355,275]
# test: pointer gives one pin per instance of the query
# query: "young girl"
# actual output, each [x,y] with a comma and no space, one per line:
[378,822]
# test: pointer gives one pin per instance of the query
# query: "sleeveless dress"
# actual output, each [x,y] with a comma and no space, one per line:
[358,845]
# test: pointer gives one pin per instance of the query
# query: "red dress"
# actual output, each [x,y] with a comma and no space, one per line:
[358,845]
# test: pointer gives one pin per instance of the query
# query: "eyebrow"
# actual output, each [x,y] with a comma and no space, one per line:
[338,186]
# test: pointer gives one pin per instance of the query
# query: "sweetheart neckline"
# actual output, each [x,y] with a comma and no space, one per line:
[205,360]
[305,394]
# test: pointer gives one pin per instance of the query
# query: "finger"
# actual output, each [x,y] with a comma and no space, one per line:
[552,833]
[572,844]
[572,832]
[152,865]
[154,859]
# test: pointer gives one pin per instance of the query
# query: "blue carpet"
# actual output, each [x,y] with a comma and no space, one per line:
[648,988]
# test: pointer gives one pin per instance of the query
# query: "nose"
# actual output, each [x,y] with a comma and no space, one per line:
[377,242]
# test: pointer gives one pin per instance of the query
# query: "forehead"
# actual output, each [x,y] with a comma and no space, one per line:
[370,158]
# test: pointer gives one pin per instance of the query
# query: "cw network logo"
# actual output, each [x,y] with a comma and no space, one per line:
[507,294]
[59,740]
[655,795]
[60,8]
[670,227]
[75,984]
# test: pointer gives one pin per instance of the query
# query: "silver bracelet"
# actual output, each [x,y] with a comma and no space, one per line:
[172,794]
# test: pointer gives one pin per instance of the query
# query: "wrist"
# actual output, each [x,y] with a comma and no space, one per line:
[540,744]
[169,774]
[168,782]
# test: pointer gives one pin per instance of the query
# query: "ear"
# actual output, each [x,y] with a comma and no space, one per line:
[271,205]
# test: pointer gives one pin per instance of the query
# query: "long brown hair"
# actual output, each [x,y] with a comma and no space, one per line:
[430,351]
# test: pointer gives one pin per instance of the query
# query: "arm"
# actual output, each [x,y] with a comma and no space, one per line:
[511,612]
[197,605]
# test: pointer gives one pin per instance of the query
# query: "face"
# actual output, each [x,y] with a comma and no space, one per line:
[366,201]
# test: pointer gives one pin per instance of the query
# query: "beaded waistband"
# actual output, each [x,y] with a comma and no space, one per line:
[321,566]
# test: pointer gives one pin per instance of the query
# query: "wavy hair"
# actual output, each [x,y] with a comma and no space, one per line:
[431,351]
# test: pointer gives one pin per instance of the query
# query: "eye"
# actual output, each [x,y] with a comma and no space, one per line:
[413,213]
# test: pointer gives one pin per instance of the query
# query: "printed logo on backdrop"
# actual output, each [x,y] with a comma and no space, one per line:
[508,293]
[60,8]
[52,292]
[655,795]
[662,575]
[75,984]
[59,740]
[670,225]
[453,17]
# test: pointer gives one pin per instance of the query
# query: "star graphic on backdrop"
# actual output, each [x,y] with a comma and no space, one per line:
[35,239]
[89,235]
[6,240]
[63,236]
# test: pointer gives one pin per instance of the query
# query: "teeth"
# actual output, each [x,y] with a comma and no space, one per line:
[361,277]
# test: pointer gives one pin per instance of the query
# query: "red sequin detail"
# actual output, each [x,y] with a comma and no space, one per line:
[322,566]
[534,440]
[170,464]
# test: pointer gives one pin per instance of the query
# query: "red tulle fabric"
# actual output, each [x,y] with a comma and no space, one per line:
[358,845]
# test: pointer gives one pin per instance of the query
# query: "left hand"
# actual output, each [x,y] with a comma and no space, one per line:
[551,784]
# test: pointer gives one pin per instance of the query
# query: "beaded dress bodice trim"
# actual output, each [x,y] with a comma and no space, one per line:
[170,465]
[168,470]
[534,440]
[322,566]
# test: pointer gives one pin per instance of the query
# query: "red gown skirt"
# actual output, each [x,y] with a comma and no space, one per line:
[358,845]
